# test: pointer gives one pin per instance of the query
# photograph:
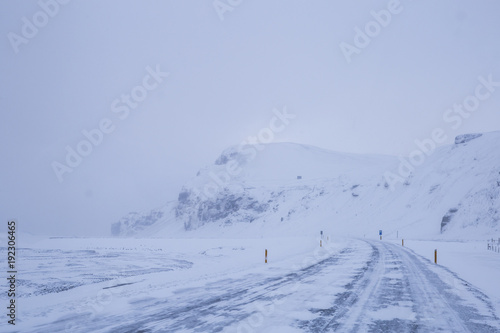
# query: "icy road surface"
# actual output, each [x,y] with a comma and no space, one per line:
[365,286]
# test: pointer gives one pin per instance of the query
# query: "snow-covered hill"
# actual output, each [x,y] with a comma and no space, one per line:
[292,189]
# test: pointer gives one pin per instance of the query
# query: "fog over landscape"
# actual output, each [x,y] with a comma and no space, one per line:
[250,166]
[226,76]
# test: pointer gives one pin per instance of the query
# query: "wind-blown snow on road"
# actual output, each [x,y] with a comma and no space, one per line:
[362,286]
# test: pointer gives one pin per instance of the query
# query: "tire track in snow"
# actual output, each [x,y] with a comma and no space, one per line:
[357,291]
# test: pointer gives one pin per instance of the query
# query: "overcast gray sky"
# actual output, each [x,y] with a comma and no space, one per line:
[68,68]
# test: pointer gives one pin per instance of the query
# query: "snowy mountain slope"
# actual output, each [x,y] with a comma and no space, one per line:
[292,189]
[280,181]
[457,185]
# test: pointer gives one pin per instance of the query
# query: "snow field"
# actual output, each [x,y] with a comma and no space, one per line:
[126,272]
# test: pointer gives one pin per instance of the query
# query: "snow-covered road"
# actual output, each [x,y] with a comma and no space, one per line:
[399,292]
[366,286]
